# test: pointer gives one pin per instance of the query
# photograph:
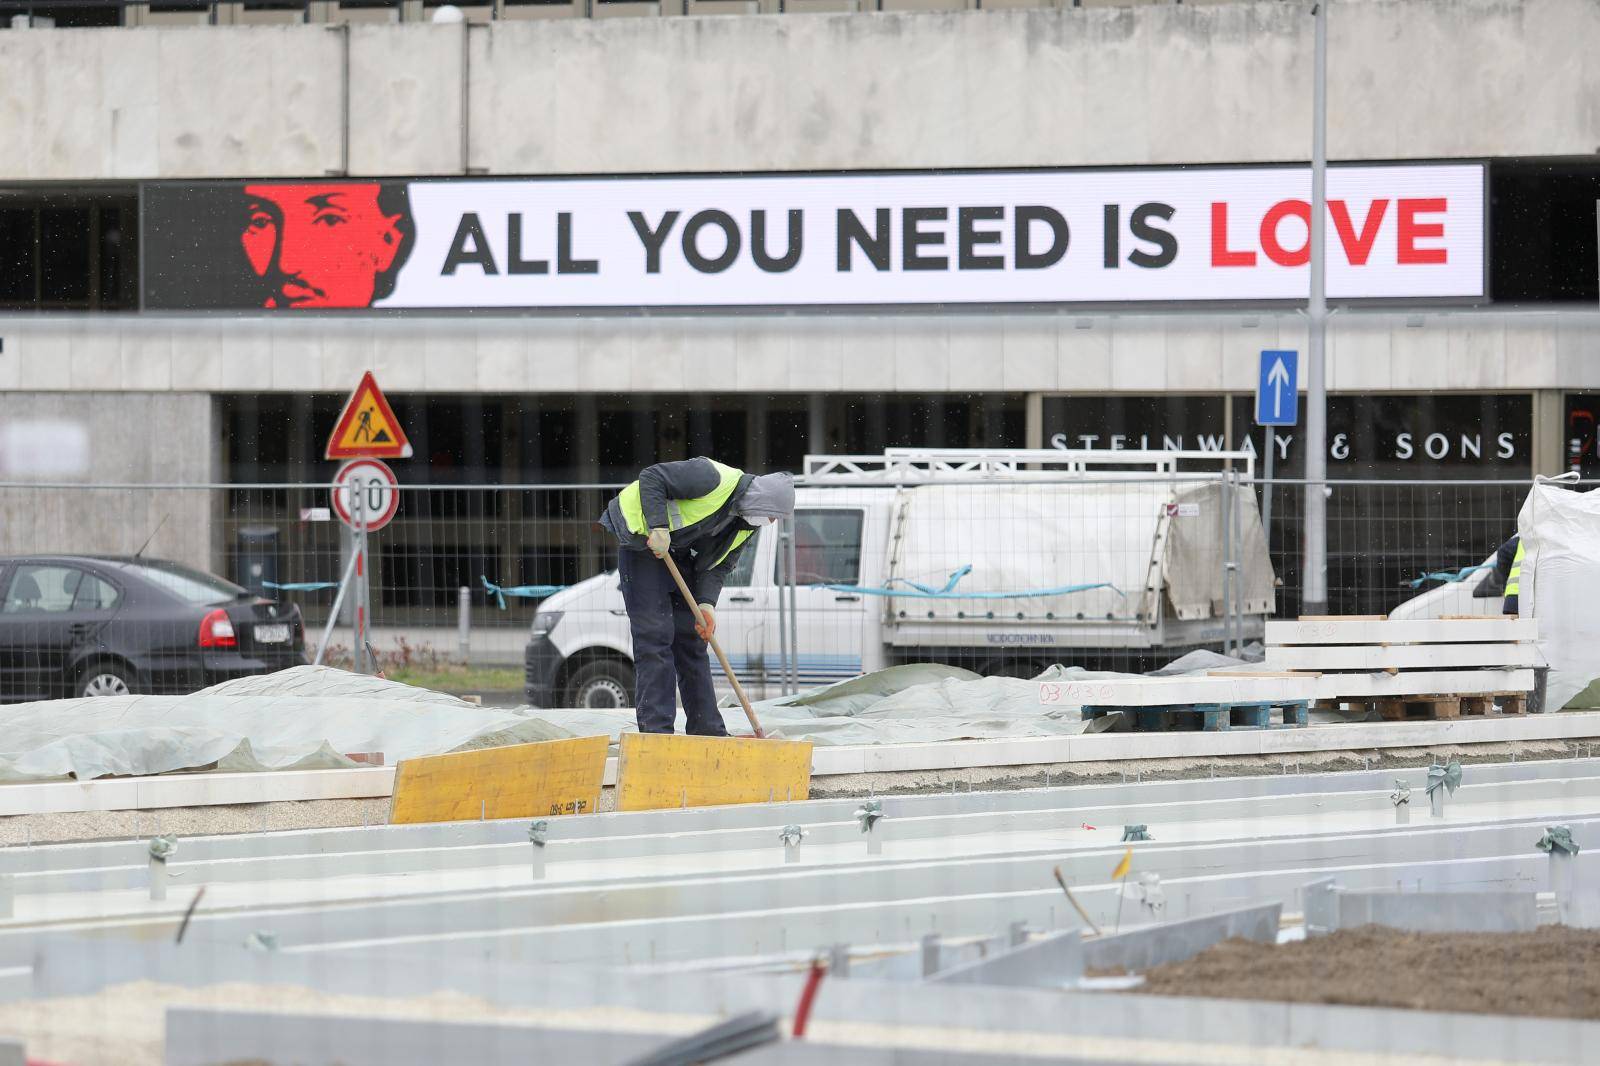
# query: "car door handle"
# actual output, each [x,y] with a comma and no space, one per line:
[79,629]
[847,599]
[741,599]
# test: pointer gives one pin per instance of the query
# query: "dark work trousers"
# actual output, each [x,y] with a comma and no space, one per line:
[667,652]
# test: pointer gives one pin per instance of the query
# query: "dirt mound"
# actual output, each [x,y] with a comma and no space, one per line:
[1551,973]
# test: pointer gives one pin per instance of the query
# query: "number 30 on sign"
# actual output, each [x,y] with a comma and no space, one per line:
[378,491]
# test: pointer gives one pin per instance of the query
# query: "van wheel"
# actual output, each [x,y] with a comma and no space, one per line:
[602,684]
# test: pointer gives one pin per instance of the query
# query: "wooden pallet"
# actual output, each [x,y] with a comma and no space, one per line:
[1211,717]
[1434,706]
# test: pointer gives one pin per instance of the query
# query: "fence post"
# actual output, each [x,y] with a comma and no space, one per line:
[464,623]
[1236,562]
[1227,562]
[1266,495]
[794,607]
[785,588]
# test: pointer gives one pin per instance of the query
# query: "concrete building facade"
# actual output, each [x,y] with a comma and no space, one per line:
[91,119]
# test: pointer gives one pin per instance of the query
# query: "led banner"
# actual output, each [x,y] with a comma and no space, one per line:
[986,238]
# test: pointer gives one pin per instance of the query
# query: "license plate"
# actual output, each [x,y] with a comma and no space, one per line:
[278,634]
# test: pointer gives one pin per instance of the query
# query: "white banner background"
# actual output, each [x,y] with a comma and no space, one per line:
[601,231]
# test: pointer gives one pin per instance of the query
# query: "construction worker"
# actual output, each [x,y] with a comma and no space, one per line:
[1510,557]
[702,513]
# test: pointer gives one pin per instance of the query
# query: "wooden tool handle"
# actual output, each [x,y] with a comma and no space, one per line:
[700,619]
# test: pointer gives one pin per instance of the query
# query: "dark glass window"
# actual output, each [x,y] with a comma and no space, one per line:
[17,255]
[62,16]
[67,253]
[1542,230]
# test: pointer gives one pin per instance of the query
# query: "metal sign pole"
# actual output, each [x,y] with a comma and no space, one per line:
[358,511]
[1314,597]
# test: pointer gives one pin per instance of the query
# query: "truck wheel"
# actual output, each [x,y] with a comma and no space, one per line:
[601,684]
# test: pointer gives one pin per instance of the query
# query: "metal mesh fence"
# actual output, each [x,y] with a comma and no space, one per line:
[1125,571]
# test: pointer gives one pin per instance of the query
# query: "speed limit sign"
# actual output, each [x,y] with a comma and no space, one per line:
[379,493]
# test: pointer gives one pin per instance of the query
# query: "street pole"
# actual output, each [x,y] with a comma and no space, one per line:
[1314,594]
[358,642]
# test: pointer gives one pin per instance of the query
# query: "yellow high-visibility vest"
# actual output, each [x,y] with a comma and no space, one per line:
[683,514]
[1514,579]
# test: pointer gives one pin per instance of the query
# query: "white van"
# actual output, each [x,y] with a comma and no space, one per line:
[1091,558]
[1480,594]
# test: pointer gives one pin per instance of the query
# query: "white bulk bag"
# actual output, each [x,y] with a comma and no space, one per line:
[1560,532]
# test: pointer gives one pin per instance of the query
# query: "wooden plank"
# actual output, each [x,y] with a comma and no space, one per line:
[1422,683]
[1428,631]
[664,770]
[1401,656]
[517,781]
[1177,691]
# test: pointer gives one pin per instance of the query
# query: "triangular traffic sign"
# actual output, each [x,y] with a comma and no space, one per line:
[368,427]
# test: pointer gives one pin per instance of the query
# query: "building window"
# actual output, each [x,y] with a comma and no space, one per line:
[67,254]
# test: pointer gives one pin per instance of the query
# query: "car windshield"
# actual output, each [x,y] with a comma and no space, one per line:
[191,586]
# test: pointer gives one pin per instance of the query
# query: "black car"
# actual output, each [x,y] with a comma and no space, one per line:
[77,625]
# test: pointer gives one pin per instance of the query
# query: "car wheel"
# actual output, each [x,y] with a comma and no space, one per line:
[106,679]
[603,684]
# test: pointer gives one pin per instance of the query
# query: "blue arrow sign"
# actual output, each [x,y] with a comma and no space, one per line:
[1277,401]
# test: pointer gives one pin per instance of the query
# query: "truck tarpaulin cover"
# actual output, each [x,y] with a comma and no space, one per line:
[1151,234]
[1021,537]
[1197,546]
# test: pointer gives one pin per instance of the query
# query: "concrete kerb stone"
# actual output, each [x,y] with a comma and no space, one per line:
[1440,912]
[1133,1019]
[202,1037]
[987,759]
[1185,768]
[1140,949]
[1053,961]
[649,824]
[419,911]
[784,931]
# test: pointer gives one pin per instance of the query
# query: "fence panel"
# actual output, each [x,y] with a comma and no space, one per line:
[1121,572]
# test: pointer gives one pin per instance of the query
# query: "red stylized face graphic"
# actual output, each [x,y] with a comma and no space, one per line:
[319,245]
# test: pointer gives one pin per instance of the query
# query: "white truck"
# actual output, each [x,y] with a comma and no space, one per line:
[1000,561]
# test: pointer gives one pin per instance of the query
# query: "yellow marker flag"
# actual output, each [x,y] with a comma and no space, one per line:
[1122,867]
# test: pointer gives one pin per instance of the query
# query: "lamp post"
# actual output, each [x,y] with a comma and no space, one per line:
[1314,591]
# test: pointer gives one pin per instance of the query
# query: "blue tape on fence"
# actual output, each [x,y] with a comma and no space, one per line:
[500,592]
[301,586]
[948,590]
[1450,576]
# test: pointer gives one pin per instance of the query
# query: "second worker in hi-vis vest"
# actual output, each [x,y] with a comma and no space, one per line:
[702,512]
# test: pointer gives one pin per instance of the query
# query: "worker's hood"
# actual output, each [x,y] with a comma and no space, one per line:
[768,496]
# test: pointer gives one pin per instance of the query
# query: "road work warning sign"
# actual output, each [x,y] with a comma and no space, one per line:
[368,428]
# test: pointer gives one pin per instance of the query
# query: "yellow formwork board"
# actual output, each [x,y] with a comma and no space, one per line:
[520,781]
[661,770]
